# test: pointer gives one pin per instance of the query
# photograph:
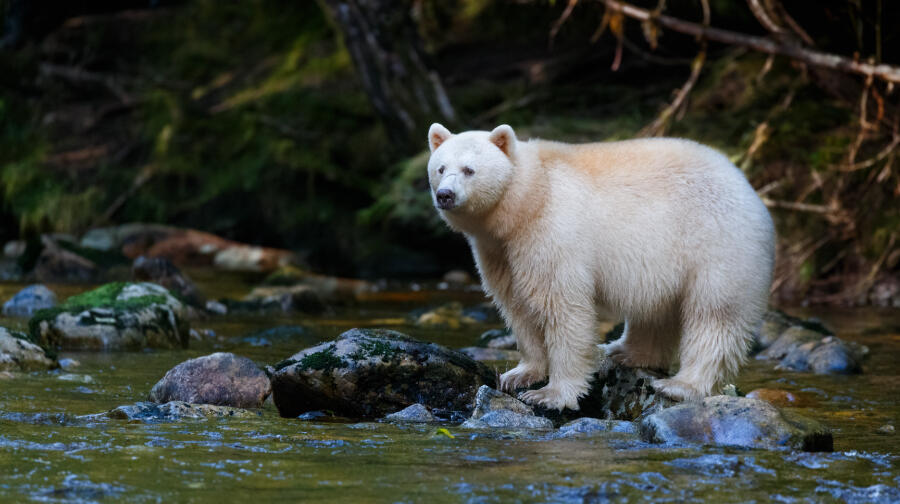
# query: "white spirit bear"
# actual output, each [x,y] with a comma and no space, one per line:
[665,233]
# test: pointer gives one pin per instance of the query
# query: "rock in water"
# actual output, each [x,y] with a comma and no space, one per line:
[735,421]
[494,409]
[161,271]
[616,393]
[367,373]
[29,300]
[172,411]
[116,316]
[801,349]
[222,379]
[491,354]
[412,414]
[19,354]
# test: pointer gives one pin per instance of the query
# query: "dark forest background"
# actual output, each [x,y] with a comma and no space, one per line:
[301,125]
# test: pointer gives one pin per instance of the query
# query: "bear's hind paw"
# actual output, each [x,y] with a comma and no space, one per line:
[519,377]
[551,397]
[677,390]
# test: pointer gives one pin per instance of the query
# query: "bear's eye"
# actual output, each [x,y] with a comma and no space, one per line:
[468,171]
[441,169]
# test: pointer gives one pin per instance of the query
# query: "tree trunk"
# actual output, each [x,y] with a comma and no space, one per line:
[393,68]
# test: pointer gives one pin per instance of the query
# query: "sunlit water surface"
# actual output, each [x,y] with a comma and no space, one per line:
[48,455]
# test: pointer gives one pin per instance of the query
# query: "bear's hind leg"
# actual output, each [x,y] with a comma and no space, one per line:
[647,343]
[714,344]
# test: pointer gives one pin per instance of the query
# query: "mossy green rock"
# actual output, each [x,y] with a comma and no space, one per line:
[735,421]
[368,373]
[17,353]
[116,316]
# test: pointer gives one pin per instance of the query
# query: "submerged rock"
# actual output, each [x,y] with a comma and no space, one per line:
[161,271]
[802,349]
[367,373]
[735,421]
[506,419]
[116,316]
[502,339]
[29,300]
[587,426]
[297,298]
[780,397]
[169,412]
[491,354]
[17,353]
[448,316]
[222,379]
[417,413]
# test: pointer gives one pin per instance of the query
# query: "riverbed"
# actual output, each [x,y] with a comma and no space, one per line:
[48,454]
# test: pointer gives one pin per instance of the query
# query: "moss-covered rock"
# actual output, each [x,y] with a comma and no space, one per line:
[18,353]
[115,316]
[367,373]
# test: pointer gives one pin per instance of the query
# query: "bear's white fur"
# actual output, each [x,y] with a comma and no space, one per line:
[665,233]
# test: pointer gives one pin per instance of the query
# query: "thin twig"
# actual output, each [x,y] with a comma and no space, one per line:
[885,72]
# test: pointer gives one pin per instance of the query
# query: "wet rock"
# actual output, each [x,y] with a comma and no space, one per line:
[735,421]
[506,419]
[216,308]
[14,249]
[886,430]
[161,271]
[488,399]
[844,492]
[801,349]
[67,364]
[222,379]
[587,426]
[116,316]
[776,322]
[448,316]
[503,339]
[172,411]
[780,397]
[616,393]
[483,313]
[297,298]
[367,373]
[491,354]
[457,277]
[417,413]
[29,300]
[56,264]
[280,335]
[10,271]
[17,353]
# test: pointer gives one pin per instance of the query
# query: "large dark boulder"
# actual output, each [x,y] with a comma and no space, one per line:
[222,379]
[735,421]
[368,373]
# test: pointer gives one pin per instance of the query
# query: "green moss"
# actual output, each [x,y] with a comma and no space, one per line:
[375,348]
[324,360]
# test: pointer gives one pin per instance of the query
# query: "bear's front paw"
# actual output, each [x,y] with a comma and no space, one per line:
[520,376]
[554,396]
[676,389]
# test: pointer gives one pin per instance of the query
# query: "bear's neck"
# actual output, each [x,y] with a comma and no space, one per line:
[521,204]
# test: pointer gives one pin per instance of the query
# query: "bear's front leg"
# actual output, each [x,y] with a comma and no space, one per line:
[533,366]
[570,338]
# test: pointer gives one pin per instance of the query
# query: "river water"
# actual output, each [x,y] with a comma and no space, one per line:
[48,455]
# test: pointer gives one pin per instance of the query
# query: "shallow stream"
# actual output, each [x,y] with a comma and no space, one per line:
[47,455]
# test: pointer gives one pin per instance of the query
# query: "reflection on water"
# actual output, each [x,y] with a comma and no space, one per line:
[48,454]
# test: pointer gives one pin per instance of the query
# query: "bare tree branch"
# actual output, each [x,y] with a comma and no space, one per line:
[888,73]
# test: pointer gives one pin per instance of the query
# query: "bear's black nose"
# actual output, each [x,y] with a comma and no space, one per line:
[445,198]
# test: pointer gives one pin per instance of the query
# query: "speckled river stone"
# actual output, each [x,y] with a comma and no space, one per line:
[616,393]
[735,421]
[368,373]
[19,354]
[222,379]
[116,316]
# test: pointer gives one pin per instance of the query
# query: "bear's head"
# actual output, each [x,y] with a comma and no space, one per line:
[470,171]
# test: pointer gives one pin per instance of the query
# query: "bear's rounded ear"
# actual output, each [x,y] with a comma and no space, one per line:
[504,138]
[437,134]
